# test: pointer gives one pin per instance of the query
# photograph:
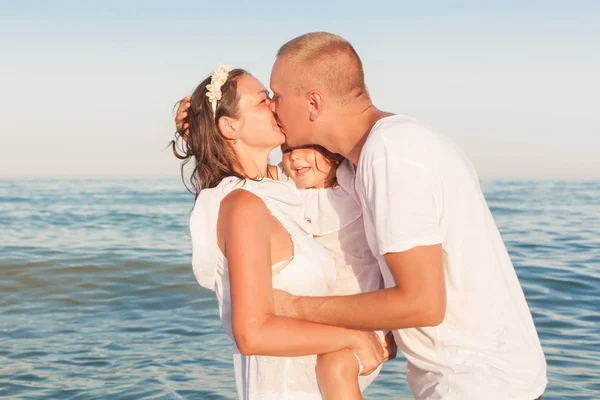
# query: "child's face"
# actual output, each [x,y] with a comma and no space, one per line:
[307,167]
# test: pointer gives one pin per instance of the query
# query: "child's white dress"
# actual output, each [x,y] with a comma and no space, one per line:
[337,224]
[309,273]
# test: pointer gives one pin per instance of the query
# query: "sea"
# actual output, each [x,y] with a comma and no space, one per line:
[98,299]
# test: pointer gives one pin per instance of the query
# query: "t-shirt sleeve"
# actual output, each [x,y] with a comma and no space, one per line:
[400,197]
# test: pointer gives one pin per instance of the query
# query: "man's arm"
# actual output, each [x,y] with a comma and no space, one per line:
[417,300]
[402,200]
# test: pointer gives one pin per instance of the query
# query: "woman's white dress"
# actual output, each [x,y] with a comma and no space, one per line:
[310,273]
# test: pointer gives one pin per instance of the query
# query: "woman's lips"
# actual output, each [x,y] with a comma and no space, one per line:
[279,125]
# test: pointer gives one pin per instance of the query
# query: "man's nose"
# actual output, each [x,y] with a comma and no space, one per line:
[272,107]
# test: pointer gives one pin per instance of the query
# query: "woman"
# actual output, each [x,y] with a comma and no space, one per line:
[249,236]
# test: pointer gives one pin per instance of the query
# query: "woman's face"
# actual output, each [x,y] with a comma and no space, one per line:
[307,167]
[258,128]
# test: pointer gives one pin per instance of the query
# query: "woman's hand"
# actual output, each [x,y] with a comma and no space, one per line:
[369,350]
[181,115]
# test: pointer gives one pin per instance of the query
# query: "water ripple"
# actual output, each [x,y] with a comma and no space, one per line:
[97,298]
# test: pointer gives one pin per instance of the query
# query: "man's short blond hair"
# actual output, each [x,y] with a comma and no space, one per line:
[321,59]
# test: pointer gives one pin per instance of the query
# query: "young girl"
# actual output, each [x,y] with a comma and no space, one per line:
[249,236]
[337,224]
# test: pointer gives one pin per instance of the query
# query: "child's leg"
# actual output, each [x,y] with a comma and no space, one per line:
[337,374]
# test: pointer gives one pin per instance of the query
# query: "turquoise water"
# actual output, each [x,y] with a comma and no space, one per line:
[98,301]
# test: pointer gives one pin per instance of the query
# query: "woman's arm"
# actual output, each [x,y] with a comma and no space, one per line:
[245,227]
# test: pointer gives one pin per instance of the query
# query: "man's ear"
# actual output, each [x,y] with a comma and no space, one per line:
[228,128]
[315,105]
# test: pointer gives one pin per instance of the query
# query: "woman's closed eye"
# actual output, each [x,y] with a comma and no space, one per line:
[266,96]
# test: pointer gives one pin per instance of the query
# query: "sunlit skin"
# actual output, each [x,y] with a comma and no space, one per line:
[256,131]
[307,167]
[256,121]
[315,117]
[291,111]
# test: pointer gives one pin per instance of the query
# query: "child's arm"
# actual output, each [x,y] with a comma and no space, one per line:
[337,375]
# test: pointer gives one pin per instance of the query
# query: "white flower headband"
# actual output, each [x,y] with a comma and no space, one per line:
[213,90]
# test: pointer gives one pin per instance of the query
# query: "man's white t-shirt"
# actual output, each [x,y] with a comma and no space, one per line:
[417,188]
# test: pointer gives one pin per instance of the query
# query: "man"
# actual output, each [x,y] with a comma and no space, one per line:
[452,296]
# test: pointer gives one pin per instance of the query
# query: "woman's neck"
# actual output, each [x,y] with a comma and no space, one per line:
[252,164]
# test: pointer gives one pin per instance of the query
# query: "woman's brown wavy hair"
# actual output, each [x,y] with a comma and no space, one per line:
[202,142]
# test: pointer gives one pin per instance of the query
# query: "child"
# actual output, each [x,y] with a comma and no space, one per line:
[327,180]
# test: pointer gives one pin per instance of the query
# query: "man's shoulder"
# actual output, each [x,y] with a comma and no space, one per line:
[402,127]
[398,137]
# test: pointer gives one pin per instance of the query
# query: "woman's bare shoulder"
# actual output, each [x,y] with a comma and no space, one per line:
[242,204]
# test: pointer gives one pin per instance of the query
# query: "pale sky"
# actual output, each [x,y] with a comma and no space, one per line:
[87,89]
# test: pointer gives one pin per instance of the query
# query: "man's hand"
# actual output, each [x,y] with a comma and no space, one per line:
[390,347]
[182,126]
